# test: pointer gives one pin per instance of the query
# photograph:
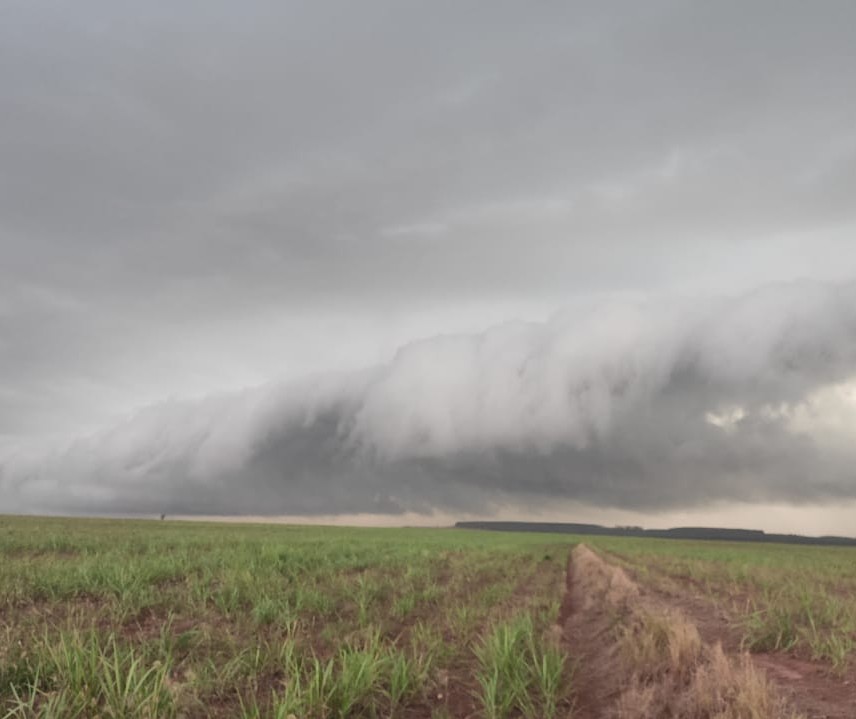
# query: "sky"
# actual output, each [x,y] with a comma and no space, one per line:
[420,261]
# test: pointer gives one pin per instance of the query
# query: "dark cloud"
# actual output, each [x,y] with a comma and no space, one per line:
[640,405]
[201,196]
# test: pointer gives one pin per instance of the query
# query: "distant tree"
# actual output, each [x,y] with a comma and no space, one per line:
[163,516]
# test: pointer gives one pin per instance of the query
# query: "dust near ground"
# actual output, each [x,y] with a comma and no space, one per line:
[645,654]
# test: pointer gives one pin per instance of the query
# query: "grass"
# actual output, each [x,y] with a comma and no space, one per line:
[787,598]
[520,674]
[141,619]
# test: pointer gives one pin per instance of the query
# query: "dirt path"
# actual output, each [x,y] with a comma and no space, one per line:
[594,592]
[648,654]
[809,686]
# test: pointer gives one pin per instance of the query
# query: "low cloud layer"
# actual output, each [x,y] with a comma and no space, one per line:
[633,405]
[200,197]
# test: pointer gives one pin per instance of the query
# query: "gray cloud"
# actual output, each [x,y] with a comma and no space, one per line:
[634,405]
[205,196]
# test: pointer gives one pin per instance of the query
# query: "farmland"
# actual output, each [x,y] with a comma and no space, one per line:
[146,619]
[781,598]
[161,619]
[792,608]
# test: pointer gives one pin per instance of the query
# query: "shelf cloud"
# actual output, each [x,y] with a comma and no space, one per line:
[224,227]
[633,405]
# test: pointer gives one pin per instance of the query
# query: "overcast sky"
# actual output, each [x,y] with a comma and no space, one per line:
[320,258]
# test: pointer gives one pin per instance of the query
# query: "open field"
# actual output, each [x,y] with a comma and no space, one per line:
[147,619]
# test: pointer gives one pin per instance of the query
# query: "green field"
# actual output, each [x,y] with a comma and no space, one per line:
[148,619]
[118,618]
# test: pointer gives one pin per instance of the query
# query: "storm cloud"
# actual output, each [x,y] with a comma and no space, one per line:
[632,405]
[203,204]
